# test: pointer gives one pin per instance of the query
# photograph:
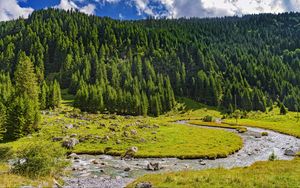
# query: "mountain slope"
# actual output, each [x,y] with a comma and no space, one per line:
[136,67]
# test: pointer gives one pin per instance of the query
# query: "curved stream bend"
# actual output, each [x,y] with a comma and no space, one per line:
[111,172]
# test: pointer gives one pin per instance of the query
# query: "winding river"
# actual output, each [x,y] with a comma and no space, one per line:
[111,172]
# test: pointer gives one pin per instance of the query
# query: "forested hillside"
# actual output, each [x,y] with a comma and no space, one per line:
[138,67]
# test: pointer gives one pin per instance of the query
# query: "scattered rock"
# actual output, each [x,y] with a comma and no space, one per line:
[118,142]
[202,162]
[289,152]
[95,161]
[143,140]
[102,125]
[69,126]
[153,166]
[130,152]
[70,143]
[72,156]
[105,139]
[257,135]
[126,133]
[114,129]
[57,139]
[83,139]
[127,169]
[133,132]
[144,185]
[156,126]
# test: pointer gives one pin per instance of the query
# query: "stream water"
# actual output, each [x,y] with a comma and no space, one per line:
[112,172]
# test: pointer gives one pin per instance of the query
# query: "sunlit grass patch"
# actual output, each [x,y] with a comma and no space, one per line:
[260,174]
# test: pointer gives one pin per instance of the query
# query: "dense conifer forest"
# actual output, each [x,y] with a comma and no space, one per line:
[138,67]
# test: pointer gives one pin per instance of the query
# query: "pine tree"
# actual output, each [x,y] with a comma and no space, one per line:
[23,112]
[43,96]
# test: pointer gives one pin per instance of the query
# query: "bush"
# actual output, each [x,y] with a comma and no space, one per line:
[40,159]
[208,119]
[272,157]
[264,134]
[5,153]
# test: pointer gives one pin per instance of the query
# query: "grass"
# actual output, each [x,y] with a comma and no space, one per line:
[219,125]
[154,137]
[286,124]
[171,140]
[163,137]
[8,179]
[261,174]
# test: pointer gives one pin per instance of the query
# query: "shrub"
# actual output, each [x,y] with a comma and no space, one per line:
[264,134]
[5,153]
[272,157]
[208,119]
[39,159]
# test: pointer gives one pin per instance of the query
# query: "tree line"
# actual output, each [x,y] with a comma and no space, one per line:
[137,67]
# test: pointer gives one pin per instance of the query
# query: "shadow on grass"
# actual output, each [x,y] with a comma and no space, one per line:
[191,105]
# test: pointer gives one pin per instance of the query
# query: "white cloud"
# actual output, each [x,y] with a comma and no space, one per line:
[88,9]
[10,9]
[69,4]
[143,7]
[217,8]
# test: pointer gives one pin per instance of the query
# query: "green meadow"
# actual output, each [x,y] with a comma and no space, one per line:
[163,137]
[261,174]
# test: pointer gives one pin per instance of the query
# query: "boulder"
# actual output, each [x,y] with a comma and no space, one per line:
[257,135]
[153,166]
[202,162]
[73,135]
[130,152]
[73,156]
[70,143]
[127,169]
[144,185]
[118,142]
[290,152]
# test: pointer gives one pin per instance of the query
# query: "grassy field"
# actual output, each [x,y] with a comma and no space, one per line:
[155,137]
[158,137]
[11,180]
[287,124]
[261,174]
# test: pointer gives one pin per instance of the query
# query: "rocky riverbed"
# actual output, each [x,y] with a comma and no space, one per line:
[108,171]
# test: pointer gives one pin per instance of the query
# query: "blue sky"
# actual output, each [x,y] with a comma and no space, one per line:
[139,9]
